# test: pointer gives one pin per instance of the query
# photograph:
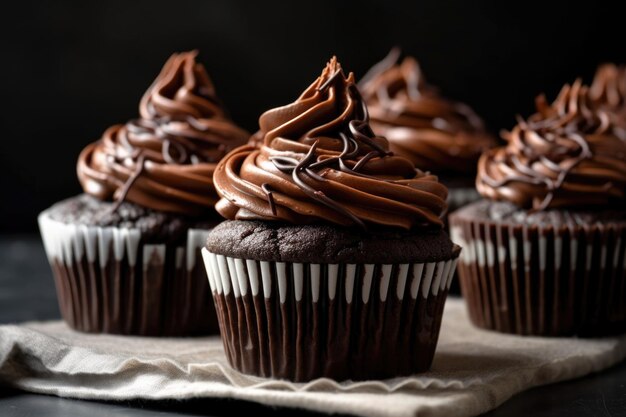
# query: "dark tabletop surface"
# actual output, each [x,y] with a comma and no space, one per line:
[27,293]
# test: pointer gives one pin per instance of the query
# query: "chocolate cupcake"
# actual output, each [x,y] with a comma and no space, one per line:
[438,135]
[333,262]
[545,251]
[125,255]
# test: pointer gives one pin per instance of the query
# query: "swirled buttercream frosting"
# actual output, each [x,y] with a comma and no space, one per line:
[568,154]
[319,161]
[435,133]
[165,159]
[608,91]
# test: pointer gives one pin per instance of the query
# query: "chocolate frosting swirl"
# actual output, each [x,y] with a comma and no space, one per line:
[320,162]
[435,133]
[568,154]
[165,159]
[608,91]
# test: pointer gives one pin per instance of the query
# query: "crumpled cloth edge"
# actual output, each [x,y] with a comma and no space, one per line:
[313,395]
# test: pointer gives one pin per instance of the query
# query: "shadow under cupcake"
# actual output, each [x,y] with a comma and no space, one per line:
[125,255]
[334,262]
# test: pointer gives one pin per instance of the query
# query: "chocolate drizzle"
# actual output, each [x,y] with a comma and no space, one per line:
[435,133]
[310,165]
[270,197]
[320,160]
[129,183]
[164,160]
[569,153]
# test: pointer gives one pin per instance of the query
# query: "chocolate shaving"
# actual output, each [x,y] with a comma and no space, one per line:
[270,197]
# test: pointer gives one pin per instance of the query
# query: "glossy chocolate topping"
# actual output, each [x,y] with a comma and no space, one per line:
[320,161]
[436,134]
[608,91]
[165,159]
[568,154]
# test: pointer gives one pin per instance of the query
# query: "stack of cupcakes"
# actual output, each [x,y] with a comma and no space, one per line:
[125,254]
[334,263]
[545,251]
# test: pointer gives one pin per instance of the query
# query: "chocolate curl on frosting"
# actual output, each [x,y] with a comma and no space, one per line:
[318,160]
[165,159]
[568,154]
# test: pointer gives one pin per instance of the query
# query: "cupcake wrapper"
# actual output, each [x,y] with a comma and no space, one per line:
[109,281]
[302,321]
[543,280]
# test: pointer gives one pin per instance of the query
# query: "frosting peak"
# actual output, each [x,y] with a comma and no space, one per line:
[165,159]
[320,161]
[435,133]
[183,89]
[608,91]
[568,154]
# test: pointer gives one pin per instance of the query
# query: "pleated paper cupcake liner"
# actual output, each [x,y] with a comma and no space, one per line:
[301,321]
[109,281]
[543,280]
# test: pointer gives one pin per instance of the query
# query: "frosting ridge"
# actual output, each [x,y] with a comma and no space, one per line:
[435,133]
[318,160]
[165,159]
[568,154]
[608,91]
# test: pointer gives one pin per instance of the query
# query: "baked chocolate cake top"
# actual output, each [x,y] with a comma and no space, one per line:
[319,161]
[155,226]
[504,212]
[325,243]
[165,159]
[568,154]
[435,133]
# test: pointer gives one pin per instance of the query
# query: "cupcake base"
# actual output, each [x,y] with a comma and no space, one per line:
[122,280]
[306,320]
[552,273]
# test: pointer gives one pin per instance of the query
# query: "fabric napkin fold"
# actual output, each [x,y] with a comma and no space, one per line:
[474,370]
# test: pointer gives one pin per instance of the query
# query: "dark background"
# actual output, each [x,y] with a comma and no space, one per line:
[71,69]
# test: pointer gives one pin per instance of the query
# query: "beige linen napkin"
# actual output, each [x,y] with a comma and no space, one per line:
[474,370]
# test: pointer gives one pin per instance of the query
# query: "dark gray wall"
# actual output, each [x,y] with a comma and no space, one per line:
[69,70]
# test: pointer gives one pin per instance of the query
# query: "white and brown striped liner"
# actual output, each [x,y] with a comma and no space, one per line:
[228,274]
[543,280]
[109,280]
[301,321]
